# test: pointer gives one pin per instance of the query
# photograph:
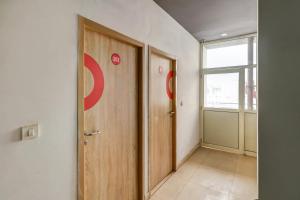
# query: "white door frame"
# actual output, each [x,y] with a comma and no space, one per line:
[241,110]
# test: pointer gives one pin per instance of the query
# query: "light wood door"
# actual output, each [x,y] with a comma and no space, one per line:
[109,162]
[162,116]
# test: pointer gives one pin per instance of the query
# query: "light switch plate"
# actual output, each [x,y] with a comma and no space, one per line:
[30,132]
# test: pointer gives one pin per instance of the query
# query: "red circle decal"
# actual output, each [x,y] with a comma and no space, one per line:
[170,75]
[115,59]
[97,91]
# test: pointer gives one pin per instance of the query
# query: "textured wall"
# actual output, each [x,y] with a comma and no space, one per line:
[279,100]
[38,69]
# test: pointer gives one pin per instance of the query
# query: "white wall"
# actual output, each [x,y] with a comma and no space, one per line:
[279,100]
[38,69]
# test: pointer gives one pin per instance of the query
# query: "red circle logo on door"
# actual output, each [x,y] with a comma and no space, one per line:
[115,59]
[97,91]
[170,75]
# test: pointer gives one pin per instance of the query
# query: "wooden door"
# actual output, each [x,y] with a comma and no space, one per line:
[109,116]
[162,117]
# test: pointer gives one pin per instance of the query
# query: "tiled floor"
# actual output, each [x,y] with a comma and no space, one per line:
[212,175]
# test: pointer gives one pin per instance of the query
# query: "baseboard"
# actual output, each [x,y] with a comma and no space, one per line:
[149,194]
[222,148]
[250,153]
[156,188]
[229,150]
[188,156]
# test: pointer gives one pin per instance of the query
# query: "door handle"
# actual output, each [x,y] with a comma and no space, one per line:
[172,112]
[92,133]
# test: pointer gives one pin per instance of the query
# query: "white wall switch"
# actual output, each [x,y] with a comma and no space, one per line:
[30,132]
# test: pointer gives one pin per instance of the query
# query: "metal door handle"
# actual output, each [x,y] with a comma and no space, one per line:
[92,133]
[172,112]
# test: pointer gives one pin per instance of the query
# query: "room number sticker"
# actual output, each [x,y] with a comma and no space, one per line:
[115,59]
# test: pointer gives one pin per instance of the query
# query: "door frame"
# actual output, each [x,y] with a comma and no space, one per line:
[154,50]
[84,23]
[241,110]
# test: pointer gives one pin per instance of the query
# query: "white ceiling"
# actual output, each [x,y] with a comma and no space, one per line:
[208,19]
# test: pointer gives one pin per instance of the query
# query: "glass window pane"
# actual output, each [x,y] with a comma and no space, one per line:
[250,90]
[224,54]
[221,90]
[254,89]
[254,51]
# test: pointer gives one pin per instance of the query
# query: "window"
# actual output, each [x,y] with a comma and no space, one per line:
[254,51]
[250,89]
[224,54]
[224,63]
[221,90]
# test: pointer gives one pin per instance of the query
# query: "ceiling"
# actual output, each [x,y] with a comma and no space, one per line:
[208,19]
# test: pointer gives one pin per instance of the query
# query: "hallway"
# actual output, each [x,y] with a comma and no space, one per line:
[212,175]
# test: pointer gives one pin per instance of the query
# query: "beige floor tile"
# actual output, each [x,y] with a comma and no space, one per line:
[195,192]
[212,175]
[200,155]
[161,196]
[244,185]
[186,171]
[242,197]
[216,171]
[247,166]
[213,178]
[170,189]
[222,161]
